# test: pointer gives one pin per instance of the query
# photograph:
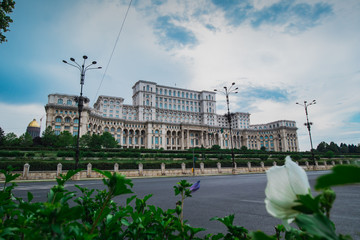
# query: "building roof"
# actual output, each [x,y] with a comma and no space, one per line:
[34,123]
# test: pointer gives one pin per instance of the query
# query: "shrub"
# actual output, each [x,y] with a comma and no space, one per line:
[296,157]
[329,154]
[30,154]
[11,154]
[65,154]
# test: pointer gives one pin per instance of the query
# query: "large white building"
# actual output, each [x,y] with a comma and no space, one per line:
[169,118]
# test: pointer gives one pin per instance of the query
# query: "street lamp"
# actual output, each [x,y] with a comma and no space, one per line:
[80,100]
[308,125]
[227,91]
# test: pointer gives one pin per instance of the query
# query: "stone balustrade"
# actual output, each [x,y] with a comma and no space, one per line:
[163,171]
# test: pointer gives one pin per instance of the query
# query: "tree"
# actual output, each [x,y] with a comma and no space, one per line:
[11,139]
[243,148]
[2,136]
[26,140]
[65,139]
[49,137]
[215,147]
[95,142]
[333,147]
[322,147]
[6,7]
[108,141]
[85,140]
[344,148]
[329,154]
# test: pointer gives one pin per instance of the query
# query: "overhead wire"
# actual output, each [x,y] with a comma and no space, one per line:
[113,50]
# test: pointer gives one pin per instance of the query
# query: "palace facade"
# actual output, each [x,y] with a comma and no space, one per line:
[169,118]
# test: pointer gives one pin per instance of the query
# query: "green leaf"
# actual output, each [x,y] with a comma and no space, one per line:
[65,177]
[258,235]
[30,196]
[341,174]
[308,204]
[105,173]
[317,225]
[130,199]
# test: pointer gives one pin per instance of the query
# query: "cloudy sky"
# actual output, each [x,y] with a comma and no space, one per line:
[277,52]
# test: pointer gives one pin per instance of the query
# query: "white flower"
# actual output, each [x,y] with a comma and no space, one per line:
[284,183]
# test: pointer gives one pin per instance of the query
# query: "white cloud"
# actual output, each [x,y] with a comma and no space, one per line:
[320,63]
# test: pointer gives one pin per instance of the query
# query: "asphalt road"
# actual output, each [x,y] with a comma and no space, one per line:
[242,195]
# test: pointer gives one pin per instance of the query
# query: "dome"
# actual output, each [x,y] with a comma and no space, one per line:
[34,123]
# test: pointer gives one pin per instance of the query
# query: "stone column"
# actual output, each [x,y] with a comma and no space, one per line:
[249,166]
[262,166]
[88,170]
[26,170]
[341,162]
[183,168]
[219,167]
[116,167]
[307,164]
[221,144]
[162,168]
[347,162]
[202,143]
[316,165]
[182,139]
[59,169]
[141,169]
[202,170]
[325,164]
[188,139]
[333,163]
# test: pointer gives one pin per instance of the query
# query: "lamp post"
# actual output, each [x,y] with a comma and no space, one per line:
[227,91]
[80,100]
[308,125]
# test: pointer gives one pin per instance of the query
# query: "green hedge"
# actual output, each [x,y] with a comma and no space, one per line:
[12,154]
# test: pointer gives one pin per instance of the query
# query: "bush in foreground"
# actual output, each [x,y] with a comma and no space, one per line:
[96,216]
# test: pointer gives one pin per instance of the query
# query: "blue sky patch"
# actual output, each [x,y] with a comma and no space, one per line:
[172,35]
[158,2]
[210,27]
[275,94]
[355,118]
[300,16]
[235,11]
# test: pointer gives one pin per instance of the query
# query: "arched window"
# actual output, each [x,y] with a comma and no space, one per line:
[60,101]
[67,120]
[69,102]
[58,119]
[76,120]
